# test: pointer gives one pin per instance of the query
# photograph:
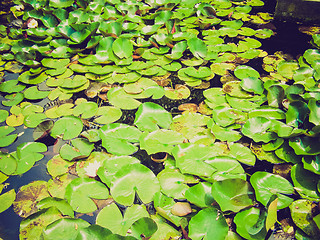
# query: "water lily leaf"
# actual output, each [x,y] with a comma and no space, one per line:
[242,154]
[190,124]
[251,223]
[252,84]
[267,112]
[32,226]
[207,225]
[75,82]
[110,167]
[305,182]
[180,92]
[13,99]
[94,232]
[134,179]
[305,145]
[5,138]
[28,78]
[27,154]
[172,67]
[8,163]
[67,127]
[267,184]
[201,72]
[151,116]
[28,196]
[243,72]
[42,129]
[197,47]
[85,109]
[301,212]
[150,29]
[257,129]
[172,184]
[64,228]
[275,96]
[191,159]
[55,63]
[81,191]
[57,186]
[11,86]
[311,163]
[33,93]
[224,133]
[3,115]
[61,204]
[81,149]
[287,68]
[120,224]
[234,89]
[314,107]
[161,140]
[122,47]
[57,166]
[232,194]
[107,114]
[225,116]
[222,68]
[200,194]
[177,50]
[7,199]
[118,138]
[119,98]
[144,227]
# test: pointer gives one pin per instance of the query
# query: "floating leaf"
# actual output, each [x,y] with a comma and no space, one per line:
[257,128]
[81,149]
[7,199]
[134,179]
[60,204]
[122,47]
[67,127]
[151,116]
[200,194]
[144,227]
[5,138]
[267,184]
[80,192]
[207,224]
[118,138]
[197,47]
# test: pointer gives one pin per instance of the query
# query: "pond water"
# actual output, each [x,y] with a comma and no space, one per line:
[288,39]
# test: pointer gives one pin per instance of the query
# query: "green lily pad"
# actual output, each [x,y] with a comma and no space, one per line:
[119,98]
[134,179]
[251,84]
[243,72]
[201,72]
[61,204]
[57,186]
[232,194]
[314,108]
[225,116]
[76,82]
[206,224]
[151,116]
[11,86]
[8,163]
[107,114]
[234,89]
[28,196]
[5,138]
[55,63]
[81,191]
[13,99]
[179,92]
[117,223]
[32,226]
[85,109]
[3,115]
[93,232]
[287,68]
[67,127]
[242,154]
[65,228]
[144,227]
[197,47]
[33,120]
[57,166]
[224,133]
[305,182]
[251,223]
[7,199]
[161,140]
[80,148]
[267,112]
[200,194]
[257,129]
[27,154]
[122,47]
[305,145]
[267,184]
[173,184]
[118,138]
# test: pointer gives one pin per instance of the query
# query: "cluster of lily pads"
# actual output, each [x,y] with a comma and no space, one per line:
[136,146]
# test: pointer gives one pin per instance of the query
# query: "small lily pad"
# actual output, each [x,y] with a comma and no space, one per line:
[5,138]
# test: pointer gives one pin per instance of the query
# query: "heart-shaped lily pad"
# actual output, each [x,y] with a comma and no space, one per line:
[151,116]
[134,179]
[80,148]
[5,138]
[80,192]
[118,138]
[67,127]
[117,223]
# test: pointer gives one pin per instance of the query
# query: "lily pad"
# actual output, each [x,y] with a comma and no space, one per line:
[207,224]
[151,116]
[67,128]
[119,98]
[5,138]
[257,129]
[81,191]
[7,199]
[267,184]
[134,179]
[80,148]
[61,204]
[120,224]
[118,138]
[200,194]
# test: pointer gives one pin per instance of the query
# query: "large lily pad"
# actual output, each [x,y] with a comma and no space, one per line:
[67,127]
[80,192]
[134,179]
